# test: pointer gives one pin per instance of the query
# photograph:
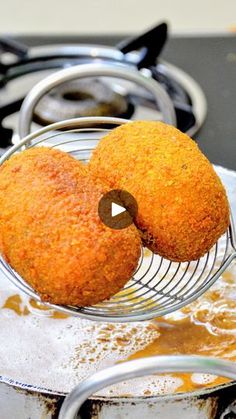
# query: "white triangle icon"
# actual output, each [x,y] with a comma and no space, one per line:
[116,209]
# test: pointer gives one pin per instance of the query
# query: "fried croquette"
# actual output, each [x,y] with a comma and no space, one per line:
[182,204]
[51,234]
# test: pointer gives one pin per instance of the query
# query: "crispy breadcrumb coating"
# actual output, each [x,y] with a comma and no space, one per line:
[182,204]
[51,234]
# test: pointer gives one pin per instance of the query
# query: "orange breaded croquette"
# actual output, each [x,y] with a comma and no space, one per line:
[182,204]
[51,234]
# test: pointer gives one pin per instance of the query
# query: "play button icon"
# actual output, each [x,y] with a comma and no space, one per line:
[117,209]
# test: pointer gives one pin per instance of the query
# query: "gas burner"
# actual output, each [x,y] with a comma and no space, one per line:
[74,99]
[22,68]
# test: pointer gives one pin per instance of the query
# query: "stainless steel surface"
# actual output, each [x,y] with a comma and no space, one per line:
[80,50]
[94,70]
[158,286]
[16,403]
[140,368]
[198,98]
[40,61]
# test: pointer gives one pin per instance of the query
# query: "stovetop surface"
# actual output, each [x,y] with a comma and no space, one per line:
[211,61]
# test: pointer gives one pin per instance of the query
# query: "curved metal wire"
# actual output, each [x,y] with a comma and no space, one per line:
[158,286]
[139,368]
[120,71]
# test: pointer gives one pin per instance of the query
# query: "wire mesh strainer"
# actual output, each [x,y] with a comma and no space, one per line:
[158,286]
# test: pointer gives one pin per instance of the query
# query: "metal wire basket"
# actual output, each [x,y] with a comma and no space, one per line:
[158,286]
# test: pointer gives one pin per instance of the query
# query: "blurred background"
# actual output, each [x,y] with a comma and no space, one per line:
[194,62]
[118,17]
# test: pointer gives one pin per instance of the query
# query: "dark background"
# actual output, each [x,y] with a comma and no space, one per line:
[212,62]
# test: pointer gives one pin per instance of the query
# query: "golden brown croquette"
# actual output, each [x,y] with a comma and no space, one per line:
[182,204]
[51,234]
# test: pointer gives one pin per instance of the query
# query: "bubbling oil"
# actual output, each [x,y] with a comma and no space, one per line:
[16,304]
[206,327]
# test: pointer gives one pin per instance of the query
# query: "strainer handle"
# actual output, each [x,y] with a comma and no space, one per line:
[121,71]
[139,368]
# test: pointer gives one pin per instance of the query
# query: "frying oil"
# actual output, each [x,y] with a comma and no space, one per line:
[65,350]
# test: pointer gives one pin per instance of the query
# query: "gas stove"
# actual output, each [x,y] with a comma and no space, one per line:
[22,67]
[191,80]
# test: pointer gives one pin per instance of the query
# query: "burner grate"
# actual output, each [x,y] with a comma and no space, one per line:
[140,54]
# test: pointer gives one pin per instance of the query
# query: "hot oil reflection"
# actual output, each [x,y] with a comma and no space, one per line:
[30,306]
[206,327]
[14,303]
[184,337]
